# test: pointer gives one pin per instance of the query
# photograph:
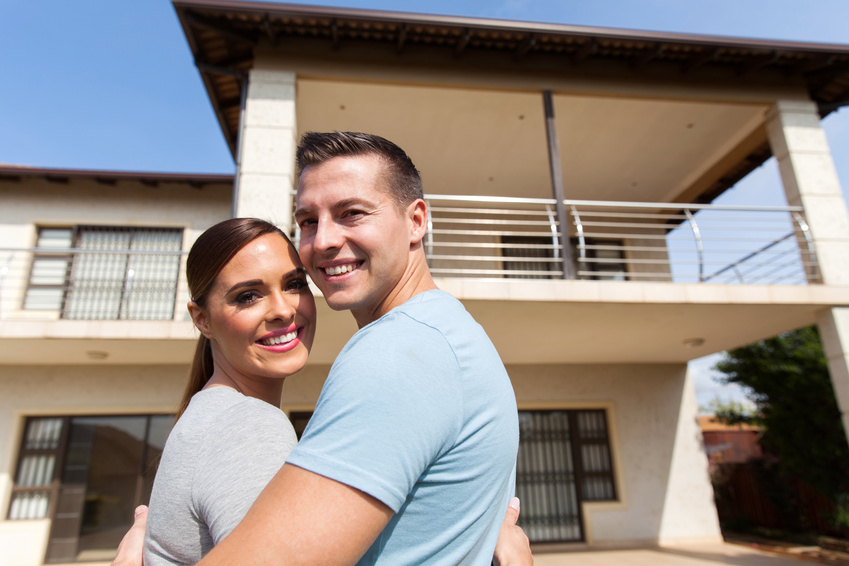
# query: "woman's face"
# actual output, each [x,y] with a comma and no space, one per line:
[260,313]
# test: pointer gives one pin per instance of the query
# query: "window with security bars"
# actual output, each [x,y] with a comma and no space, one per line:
[37,476]
[536,257]
[564,459]
[87,474]
[530,257]
[106,272]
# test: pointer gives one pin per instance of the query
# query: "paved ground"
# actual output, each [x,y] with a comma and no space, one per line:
[685,555]
[690,555]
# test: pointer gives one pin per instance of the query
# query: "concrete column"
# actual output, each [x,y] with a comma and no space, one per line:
[810,180]
[833,325]
[268,138]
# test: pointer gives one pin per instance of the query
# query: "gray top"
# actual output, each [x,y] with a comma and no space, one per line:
[220,455]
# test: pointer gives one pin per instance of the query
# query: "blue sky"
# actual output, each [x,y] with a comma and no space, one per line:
[108,84]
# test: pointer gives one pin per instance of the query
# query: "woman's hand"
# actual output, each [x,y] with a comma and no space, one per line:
[513,547]
[132,545]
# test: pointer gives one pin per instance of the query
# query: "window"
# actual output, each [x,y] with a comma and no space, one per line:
[106,273]
[49,270]
[603,260]
[87,474]
[531,257]
[535,257]
[564,459]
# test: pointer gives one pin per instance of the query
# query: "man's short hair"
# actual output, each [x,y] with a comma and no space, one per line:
[402,179]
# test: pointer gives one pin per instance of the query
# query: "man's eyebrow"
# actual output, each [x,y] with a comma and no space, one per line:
[344,203]
[295,272]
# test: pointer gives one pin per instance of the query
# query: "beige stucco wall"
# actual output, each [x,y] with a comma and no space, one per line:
[661,469]
[127,203]
[95,390]
[39,390]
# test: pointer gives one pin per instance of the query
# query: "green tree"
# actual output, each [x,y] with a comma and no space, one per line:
[791,388]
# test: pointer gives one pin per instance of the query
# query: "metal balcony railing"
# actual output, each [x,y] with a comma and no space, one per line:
[480,237]
[683,243]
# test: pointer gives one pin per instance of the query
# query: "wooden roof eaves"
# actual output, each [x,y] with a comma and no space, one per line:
[18,173]
[824,61]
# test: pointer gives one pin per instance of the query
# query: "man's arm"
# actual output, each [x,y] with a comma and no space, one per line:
[304,518]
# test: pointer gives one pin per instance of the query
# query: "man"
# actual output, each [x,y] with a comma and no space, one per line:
[409,457]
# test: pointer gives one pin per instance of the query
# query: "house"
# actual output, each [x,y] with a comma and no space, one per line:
[570,174]
[729,444]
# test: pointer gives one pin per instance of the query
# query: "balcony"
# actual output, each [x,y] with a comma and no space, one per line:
[644,276]
[468,237]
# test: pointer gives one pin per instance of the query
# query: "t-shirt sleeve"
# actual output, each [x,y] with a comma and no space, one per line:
[247,446]
[390,406]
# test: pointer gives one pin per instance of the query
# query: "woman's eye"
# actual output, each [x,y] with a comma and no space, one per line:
[247,297]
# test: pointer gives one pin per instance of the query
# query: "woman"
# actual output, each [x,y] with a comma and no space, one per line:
[256,315]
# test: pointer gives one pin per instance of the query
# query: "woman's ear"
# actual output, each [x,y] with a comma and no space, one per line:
[200,318]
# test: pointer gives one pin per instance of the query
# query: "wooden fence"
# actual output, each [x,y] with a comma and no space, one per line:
[753,493]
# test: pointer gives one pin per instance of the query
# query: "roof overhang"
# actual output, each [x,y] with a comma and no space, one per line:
[223,34]
[20,173]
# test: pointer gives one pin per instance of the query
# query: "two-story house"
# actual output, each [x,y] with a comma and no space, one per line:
[570,174]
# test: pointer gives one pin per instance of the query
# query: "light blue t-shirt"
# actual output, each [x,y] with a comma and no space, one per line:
[418,412]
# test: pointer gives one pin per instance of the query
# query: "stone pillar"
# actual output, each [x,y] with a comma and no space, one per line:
[833,325]
[265,173]
[810,180]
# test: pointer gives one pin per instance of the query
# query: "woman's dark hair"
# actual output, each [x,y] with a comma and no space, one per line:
[209,254]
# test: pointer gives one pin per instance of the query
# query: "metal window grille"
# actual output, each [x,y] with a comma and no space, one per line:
[534,257]
[564,459]
[37,475]
[595,460]
[49,271]
[530,257]
[106,272]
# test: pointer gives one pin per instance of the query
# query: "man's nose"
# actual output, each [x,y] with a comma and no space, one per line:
[327,236]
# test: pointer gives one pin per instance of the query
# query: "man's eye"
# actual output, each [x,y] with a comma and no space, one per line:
[297,285]
[306,223]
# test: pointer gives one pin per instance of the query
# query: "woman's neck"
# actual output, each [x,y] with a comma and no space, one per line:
[268,390]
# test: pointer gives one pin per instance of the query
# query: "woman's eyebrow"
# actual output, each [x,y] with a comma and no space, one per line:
[241,284]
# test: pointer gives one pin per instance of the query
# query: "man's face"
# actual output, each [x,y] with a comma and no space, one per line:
[355,242]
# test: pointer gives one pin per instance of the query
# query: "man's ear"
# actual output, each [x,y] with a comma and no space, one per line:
[417,216]
[200,318]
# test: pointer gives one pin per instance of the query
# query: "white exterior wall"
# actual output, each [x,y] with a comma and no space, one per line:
[661,471]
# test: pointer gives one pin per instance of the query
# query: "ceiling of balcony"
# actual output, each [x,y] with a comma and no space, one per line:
[476,142]
[478,127]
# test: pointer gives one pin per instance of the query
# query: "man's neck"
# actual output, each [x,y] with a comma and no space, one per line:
[416,280]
